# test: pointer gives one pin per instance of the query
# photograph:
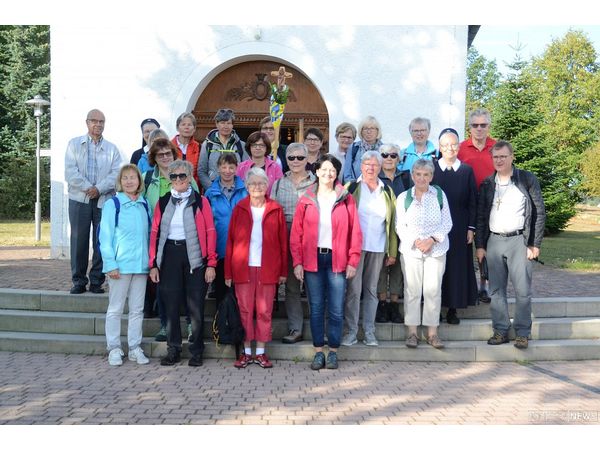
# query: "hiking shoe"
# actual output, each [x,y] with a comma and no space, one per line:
[77,289]
[348,340]
[293,337]
[263,361]
[394,312]
[195,361]
[137,355]
[161,336]
[381,316]
[412,341]
[318,361]
[96,289]
[332,362]
[521,342]
[435,341]
[370,339]
[484,297]
[171,358]
[190,335]
[451,317]
[242,361]
[115,357]
[497,339]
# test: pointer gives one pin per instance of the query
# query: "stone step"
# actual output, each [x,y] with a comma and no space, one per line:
[469,329]
[97,303]
[470,351]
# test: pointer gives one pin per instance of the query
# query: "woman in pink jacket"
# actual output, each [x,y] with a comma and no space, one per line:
[260,148]
[325,242]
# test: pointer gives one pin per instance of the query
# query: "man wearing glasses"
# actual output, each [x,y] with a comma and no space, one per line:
[91,167]
[475,152]
[510,226]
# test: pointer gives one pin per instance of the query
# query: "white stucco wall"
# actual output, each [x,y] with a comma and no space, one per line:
[132,72]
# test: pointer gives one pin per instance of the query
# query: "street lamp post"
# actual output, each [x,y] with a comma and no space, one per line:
[38,104]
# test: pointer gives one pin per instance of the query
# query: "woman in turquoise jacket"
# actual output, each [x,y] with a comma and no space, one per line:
[123,239]
[224,193]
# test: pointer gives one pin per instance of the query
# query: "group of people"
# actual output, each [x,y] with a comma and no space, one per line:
[362,227]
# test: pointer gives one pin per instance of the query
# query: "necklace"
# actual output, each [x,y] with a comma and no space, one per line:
[500,195]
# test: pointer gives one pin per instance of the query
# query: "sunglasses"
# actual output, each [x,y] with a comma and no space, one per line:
[479,125]
[294,158]
[174,176]
[389,155]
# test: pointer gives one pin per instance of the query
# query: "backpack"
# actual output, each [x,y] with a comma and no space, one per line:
[354,184]
[148,178]
[117,203]
[238,148]
[227,326]
[409,198]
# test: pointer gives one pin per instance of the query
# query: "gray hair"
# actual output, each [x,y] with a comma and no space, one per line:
[180,164]
[421,164]
[369,120]
[370,155]
[296,146]
[185,116]
[223,115]
[158,133]
[480,112]
[256,172]
[422,120]
[385,148]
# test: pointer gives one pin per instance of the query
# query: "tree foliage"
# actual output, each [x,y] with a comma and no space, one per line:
[24,72]
[483,81]
[590,168]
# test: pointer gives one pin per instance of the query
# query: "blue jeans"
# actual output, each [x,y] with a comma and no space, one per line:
[326,290]
[507,256]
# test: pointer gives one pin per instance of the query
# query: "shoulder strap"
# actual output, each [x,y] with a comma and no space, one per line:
[440,196]
[352,187]
[145,203]
[117,209]
[148,178]
[409,198]
[355,147]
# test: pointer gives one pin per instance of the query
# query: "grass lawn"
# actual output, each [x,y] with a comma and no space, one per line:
[578,247]
[14,233]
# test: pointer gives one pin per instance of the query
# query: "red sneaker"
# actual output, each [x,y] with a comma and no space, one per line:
[242,361]
[263,361]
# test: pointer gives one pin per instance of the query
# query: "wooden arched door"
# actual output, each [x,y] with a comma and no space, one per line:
[244,88]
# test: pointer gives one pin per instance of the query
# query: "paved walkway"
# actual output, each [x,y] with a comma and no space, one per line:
[76,389]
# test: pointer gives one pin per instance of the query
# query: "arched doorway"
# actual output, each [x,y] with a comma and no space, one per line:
[244,88]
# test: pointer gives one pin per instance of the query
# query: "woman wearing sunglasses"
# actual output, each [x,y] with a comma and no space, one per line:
[286,191]
[390,278]
[183,258]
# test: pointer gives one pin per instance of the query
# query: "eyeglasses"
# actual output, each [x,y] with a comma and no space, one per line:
[369,129]
[345,138]
[312,139]
[500,157]
[449,147]
[258,146]
[479,125]
[418,131]
[371,165]
[174,176]
[389,155]
[257,185]
[96,121]
[294,158]
[226,111]
[164,155]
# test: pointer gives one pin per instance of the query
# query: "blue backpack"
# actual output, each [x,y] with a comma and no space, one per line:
[117,203]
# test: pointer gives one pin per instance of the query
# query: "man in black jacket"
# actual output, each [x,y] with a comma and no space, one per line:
[510,226]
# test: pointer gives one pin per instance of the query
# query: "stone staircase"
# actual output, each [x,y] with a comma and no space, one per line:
[57,322]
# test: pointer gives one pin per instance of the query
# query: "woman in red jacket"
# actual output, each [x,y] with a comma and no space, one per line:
[326,242]
[256,261]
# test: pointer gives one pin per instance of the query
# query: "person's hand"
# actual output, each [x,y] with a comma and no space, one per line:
[93,192]
[470,235]
[350,272]
[282,280]
[228,282]
[390,261]
[114,274]
[210,274]
[154,276]
[532,252]
[299,272]
[480,253]
[424,245]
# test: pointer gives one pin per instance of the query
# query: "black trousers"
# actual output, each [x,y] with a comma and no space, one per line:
[82,217]
[179,286]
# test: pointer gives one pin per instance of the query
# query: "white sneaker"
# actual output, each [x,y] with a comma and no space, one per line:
[348,340]
[115,357]
[370,339]
[137,355]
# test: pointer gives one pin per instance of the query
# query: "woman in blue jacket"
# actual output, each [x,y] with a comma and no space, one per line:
[223,194]
[124,233]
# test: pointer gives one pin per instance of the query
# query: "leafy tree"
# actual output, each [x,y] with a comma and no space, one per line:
[590,168]
[483,80]
[24,72]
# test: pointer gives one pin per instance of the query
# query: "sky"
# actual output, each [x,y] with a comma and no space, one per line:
[495,42]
